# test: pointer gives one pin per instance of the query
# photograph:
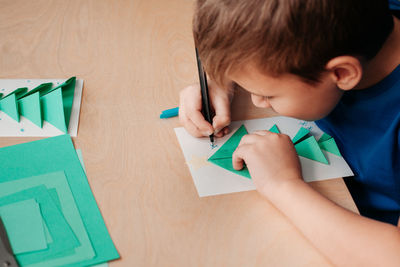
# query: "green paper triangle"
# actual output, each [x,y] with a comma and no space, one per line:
[29,107]
[274,129]
[223,157]
[17,92]
[301,135]
[43,89]
[9,106]
[330,146]
[68,90]
[324,137]
[53,111]
[227,149]
[309,148]
[226,163]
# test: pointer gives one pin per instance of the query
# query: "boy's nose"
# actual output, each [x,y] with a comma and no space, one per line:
[260,101]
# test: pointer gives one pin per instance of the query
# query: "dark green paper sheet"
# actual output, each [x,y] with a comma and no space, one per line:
[52,155]
[62,235]
[223,157]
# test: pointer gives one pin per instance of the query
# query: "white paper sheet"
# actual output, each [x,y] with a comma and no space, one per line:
[24,128]
[211,179]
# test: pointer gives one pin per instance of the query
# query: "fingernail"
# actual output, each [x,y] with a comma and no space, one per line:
[217,131]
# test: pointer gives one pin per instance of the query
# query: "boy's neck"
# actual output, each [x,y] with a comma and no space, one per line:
[387,59]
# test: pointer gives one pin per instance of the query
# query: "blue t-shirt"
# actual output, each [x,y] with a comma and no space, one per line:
[366,127]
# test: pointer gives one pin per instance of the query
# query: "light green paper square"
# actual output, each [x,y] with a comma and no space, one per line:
[64,238]
[24,226]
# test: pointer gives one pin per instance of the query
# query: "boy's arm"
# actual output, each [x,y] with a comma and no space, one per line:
[347,239]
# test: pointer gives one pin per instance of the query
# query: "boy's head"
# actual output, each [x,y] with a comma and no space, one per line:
[261,43]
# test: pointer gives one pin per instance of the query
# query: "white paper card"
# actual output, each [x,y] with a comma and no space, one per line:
[24,128]
[211,179]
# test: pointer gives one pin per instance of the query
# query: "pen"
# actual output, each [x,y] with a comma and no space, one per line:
[204,94]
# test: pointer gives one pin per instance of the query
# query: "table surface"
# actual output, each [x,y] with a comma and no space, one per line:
[134,57]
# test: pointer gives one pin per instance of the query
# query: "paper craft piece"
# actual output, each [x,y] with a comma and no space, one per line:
[223,156]
[53,110]
[29,107]
[17,92]
[24,226]
[274,129]
[327,143]
[301,135]
[26,110]
[43,89]
[309,149]
[9,106]
[63,237]
[17,162]
[214,180]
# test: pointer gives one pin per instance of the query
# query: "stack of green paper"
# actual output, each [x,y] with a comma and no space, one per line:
[53,105]
[47,207]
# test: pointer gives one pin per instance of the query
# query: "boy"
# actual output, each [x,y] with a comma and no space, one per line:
[332,61]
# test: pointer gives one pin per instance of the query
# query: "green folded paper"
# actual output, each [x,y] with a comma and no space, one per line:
[274,129]
[327,143]
[53,105]
[223,156]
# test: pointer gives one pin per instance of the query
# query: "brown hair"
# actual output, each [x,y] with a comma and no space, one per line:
[287,36]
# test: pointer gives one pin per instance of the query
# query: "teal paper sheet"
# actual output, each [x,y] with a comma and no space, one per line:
[52,155]
[24,226]
[64,239]
[58,182]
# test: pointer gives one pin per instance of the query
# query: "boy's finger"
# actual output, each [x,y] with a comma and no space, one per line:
[220,122]
[198,120]
[237,157]
[192,129]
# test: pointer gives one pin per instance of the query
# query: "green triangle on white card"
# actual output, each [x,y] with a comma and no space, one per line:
[53,110]
[29,107]
[301,135]
[9,106]
[309,148]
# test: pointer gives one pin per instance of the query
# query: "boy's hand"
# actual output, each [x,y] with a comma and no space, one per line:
[271,159]
[193,120]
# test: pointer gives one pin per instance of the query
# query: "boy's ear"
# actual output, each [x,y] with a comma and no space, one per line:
[346,71]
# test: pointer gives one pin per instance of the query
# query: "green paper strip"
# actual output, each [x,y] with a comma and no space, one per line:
[42,89]
[63,238]
[9,106]
[309,149]
[301,135]
[24,226]
[274,129]
[29,107]
[52,155]
[53,111]
[223,157]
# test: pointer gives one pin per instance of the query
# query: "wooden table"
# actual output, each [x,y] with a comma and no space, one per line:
[134,57]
